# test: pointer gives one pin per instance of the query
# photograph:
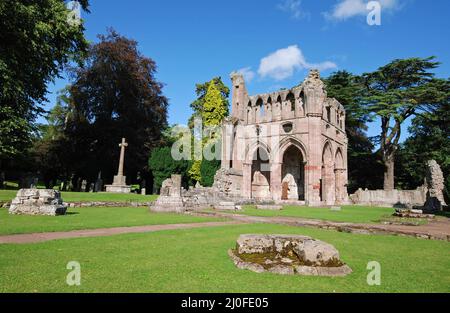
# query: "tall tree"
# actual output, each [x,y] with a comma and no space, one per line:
[362,162]
[163,166]
[49,150]
[115,94]
[37,42]
[396,92]
[430,139]
[211,107]
[201,91]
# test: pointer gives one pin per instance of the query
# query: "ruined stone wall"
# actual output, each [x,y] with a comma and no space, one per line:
[38,202]
[302,117]
[390,198]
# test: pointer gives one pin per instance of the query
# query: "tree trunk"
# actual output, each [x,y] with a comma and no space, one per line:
[389,172]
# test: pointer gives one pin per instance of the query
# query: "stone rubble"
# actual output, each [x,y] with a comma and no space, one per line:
[287,254]
[38,202]
[435,184]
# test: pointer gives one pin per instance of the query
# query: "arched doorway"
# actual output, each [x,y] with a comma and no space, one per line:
[327,183]
[339,174]
[260,175]
[293,175]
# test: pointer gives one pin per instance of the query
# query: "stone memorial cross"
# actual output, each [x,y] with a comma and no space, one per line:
[122,146]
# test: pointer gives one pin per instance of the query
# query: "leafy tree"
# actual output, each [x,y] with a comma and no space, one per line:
[49,151]
[202,89]
[208,168]
[37,43]
[212,107]
[195,172]
[430,139]
[215,107]
[396,92]
[362,162]
[115,94]
[163,165]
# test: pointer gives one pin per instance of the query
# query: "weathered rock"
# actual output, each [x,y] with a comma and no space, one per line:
[225,205]
[254,244]
[170,199]
[287,254]
[412,213]
[38,202]
[317,252]
[435,183]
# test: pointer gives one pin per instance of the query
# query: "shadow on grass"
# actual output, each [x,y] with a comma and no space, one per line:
[72,213]
[443,213]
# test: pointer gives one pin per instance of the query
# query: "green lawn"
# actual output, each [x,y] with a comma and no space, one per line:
[6,195]
[88,218]
[353,214]
[196,260]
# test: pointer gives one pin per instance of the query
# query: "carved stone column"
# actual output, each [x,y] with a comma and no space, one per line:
[247,180]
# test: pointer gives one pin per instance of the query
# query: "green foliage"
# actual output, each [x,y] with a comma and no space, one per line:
[430,139]
[162,165]
[208,169]
[211,107]
[36,44]
[396,92]
[115,94]
[363,164]
[163,256]
[215,108]
[202,89]
[195,170]
[15,132]
[348,213]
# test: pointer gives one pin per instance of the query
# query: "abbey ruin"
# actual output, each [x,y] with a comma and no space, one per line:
[285,146]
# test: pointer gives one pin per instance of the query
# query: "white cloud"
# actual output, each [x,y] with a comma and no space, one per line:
[294,7]
[247,73]
[345,9]
[284,62]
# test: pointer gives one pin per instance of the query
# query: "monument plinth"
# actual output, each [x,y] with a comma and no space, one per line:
[119,184]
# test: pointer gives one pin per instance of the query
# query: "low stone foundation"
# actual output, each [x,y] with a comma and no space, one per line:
[118,189]
[288,255]
[269,207]
[224,205]
[390,198]
[174,198]
[411,213]
[38,202]
[111,204]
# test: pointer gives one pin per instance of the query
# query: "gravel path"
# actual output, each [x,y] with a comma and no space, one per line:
[40,237]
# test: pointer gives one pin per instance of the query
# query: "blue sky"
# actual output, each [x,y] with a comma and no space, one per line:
[274,42]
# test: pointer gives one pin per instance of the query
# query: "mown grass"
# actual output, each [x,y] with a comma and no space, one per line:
[349,213]
[7,195]
[196,260]
[89,218]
